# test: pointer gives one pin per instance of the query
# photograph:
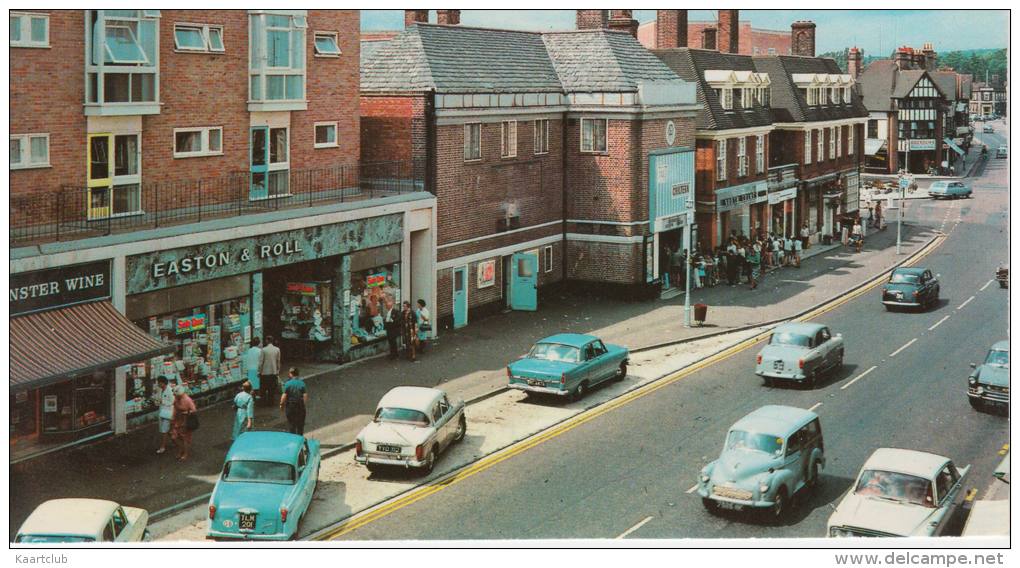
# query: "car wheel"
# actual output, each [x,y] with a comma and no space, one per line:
[778,508]
[768,381]
[372,469]
[430,462]
[709,505]
[812,380]
[580,391]
[461,429]
[621,373]
[1003,284]
[839,361]
[888,308]
[812,481]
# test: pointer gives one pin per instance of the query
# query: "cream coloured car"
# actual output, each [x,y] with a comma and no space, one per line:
[83,520]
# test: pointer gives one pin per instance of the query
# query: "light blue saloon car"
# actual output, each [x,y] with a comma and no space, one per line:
[989,383]
[265,488]
[800,352]
[770,455]
[568,364]
[949,190]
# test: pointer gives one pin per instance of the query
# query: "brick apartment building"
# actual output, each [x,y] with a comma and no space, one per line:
[541,149]
[751,40]
[183,181]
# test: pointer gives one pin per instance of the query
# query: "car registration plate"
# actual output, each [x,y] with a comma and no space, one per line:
[778,365]
[729,506]
[388,449]
[536,383]
[246,522]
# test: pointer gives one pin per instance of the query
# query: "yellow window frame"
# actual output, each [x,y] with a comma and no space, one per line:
[105,184]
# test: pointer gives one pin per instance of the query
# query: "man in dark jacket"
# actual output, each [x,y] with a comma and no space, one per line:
[391,322]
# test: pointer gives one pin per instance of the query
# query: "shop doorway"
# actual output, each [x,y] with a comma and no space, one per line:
[524,282]
[460,301]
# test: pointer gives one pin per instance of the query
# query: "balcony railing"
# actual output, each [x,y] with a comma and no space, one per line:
[64,214]
[782,177]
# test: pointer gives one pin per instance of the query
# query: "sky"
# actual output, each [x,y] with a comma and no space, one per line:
[877,32]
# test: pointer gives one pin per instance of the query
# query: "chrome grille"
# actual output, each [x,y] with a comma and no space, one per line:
[731,493]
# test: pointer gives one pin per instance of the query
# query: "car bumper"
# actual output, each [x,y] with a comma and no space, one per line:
[377,460]
[246,536]
[735,503]
[903,303]
[794,375]
[989,396]
[532,388]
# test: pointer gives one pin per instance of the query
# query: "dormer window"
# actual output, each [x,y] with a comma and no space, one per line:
[846,95]
[727,99]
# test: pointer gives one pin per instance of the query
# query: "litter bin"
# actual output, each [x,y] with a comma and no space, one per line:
[700,312]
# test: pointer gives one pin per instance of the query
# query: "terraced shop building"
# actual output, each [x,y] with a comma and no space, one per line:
[554,157]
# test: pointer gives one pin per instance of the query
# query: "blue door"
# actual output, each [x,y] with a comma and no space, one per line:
[524,281]
[259,162]
[460,305]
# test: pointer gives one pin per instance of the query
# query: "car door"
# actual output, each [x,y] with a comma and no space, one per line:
[933,285]
[438,425]
[947,486]
[305,473]
[446,419]
[119,524]
[825,351]
[794,460]
[603,366]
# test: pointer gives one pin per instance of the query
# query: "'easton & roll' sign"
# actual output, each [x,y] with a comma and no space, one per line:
[56,287]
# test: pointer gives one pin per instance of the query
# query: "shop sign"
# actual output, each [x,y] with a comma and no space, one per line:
[175,267]
[374,280]
[921,144]
[190,324]
[670,223]
[56,287]
[301,288]
[735,197]
[780,196]
[681,189]
[486,273]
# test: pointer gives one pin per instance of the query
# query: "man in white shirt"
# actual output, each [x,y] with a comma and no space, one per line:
[165,395]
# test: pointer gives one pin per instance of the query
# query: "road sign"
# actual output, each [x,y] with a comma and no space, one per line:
[904,183]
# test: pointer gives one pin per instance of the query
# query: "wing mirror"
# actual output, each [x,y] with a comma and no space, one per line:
[973,365]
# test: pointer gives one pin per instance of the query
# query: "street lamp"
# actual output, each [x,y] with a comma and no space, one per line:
[690,245]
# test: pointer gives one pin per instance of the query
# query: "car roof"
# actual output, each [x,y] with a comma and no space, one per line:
[571,339]
[910,270]
[800,328]
[1001,345]
[266,446]
[69,517]
[911,462]
[775,419]
[412,398]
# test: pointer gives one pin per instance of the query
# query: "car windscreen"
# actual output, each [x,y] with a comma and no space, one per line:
[894,486]
[754,441]
[50,538]
[258,471]
[555,352]
[401,416]
[903,278]
[1000,358]
[788,338]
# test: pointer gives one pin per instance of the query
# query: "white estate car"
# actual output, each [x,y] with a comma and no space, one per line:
[83,520]
[411,427]
[899,493]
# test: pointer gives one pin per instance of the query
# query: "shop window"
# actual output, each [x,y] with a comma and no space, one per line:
[277,66]
[326,44]
[593,135]
[325,134]
[122,61]
[198,38]
[195,142]
[472,142]
[373,293]
[30,151]
[114,176]
[30,30]
[307,311]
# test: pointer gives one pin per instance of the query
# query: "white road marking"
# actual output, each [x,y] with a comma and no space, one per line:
[967,301]
[692,489]
[634,528]
[938,323]
[858,377]
[814,407]
[987,284]
[908,344]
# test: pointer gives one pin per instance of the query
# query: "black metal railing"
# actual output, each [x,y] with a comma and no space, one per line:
[782,176]
[67,214]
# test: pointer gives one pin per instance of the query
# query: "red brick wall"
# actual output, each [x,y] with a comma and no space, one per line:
[386,126]
[603,186]
[707,184]
[749,38]
[614,263]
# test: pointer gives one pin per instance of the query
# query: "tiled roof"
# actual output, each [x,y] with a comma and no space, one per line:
[946,82]
[691,64]
[369,47]
[876,85]
[905,81]
[789,103]
[603,61]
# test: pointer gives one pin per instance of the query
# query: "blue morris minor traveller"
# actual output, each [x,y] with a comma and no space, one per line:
[265,488]
[800,352]
[568,364]
[769,456]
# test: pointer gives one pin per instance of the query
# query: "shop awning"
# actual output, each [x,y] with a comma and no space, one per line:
[949,142]
[48,347]
[872,146]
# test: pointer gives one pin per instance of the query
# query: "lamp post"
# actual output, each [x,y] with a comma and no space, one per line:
[690,245]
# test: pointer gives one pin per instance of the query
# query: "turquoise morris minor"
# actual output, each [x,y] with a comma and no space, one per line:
[568,364]
[770,455]
[265,488]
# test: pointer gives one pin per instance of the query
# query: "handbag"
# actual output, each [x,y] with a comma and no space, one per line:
[191,422]
[425,327]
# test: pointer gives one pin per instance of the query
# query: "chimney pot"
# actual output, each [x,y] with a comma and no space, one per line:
[623,20]
[448,17]
[803,38]
[415,16]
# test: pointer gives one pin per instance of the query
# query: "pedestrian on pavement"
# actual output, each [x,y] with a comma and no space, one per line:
[797,248]
[181,433]
[745,267]
[424,324]
[754,263]
[165,395]
[857,235]
[664,265]
[294,401]
[732,263]
[878,215]
[788,250]
[244,406]
[251,360]
[392,325]
[409,331]
[269,369]
[676,264]
[805,237]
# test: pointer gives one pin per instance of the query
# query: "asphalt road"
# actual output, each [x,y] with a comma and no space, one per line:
[629,470]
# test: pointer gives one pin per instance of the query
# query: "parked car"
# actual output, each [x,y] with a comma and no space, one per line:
[988,129]
[83,520]
[899,493]
[568,364]
[800,352]
[411,427]
[265,488]
[949,190]
[770,455]
[1002,275]
[989,383]
[910,287]
[1002,152]
[990,516]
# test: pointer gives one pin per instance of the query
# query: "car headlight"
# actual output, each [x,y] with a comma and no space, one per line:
[972,380]
[979,390]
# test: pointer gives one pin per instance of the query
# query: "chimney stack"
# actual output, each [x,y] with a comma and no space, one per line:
[930,57]
[803,36]
[670,28]
[729,31]
[415,17]
[592,19]
[623,20]
[708,35]
[448,17]
[854,62]
[903,57]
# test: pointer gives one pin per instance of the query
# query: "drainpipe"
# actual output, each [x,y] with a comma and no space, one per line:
[563,193]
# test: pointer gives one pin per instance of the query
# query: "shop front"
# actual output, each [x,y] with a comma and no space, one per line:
[783,211]
[69,346]
[738,211]
[920,155]
[671,210]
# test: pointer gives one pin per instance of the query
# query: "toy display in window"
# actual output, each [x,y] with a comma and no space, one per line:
[306,311]
[375,292]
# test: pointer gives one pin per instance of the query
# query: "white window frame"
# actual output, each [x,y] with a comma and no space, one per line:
[467,141]
[547,258]
[541,136]
[834,95]
[839,141]
[759,154]
[720,159]
[25,156]
[25,24]
[206,38]
[336,41]
[846,95]
[97,103]
[204,151]
[272,166]
[807,147]
[821,144]
[850,140]
[726,100]
[336,134]
[594,149]
[259,69]
[508,139]
[833,147]
[742,156]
